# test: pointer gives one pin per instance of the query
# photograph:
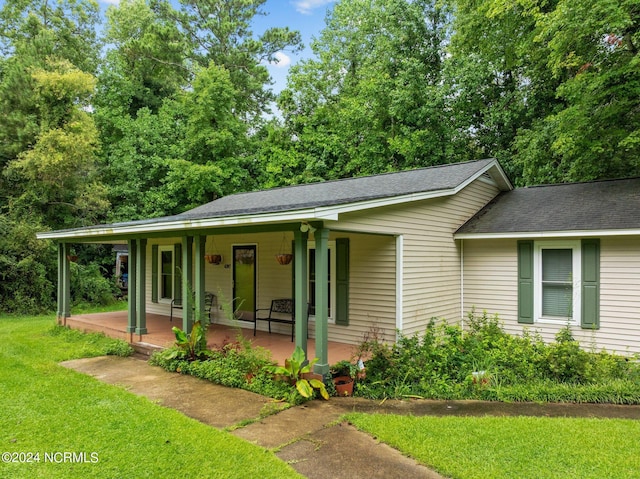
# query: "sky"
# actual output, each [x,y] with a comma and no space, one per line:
[305,16]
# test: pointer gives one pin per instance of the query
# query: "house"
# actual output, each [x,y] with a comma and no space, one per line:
[546,257]
[388,252]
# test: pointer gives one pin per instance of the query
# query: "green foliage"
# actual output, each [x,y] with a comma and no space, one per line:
[294,370]
[190,346]
[89,284]
[103,418]
[485,362]
[370,101]
[233,364]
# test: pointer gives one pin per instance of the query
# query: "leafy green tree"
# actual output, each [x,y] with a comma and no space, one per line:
[219,32]
[497,77]
[57,175]
[371,99]
[49,52]
[593,51]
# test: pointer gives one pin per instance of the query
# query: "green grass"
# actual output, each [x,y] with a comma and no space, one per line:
[47,408]
[513,447]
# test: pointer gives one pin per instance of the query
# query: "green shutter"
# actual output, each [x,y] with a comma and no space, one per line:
[590,284]
[293,269]
[525,282]
[154,273]
[177,273]
[342,281]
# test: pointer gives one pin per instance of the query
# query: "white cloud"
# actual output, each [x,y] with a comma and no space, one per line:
[283,60]
[306,6]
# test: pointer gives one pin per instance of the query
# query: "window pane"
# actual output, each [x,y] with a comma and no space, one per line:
[557,282]
[312,281]
[166,280]
[557,300]
[557,265]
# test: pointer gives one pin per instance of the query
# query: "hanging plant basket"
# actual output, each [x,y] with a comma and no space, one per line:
[284,258]
[72,257]
[213,258]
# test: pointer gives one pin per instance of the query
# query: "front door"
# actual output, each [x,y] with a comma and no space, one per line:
[244,281]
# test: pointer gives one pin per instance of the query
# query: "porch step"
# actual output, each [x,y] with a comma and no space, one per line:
[145,349]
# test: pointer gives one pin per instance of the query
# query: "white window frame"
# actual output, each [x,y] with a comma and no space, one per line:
[331,245]
[170,249]
[575,246]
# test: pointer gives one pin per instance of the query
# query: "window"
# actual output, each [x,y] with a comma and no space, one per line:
[311,291]
[166,274]
[559,282]
[557,287]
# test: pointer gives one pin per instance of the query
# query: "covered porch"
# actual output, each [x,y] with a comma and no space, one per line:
[159,335]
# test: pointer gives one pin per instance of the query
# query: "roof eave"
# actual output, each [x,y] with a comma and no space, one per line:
[548,234]
[181,226]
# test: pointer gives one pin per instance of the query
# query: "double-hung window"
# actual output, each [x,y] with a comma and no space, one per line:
[557,284]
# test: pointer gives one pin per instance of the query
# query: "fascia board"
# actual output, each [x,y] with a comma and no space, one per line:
[548,234]
[180,226]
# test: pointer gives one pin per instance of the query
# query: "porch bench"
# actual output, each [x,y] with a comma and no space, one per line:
[281,311]
[209,301]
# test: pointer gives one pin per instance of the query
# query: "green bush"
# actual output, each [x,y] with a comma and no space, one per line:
[234,364]
[89,285]
[484,362]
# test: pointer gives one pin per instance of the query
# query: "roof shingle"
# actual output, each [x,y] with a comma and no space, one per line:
[598,205]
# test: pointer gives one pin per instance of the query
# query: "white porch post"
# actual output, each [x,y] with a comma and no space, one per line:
[322,300]
[301,300]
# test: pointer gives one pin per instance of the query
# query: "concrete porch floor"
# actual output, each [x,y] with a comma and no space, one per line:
[114,324]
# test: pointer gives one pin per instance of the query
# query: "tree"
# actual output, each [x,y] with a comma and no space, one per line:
[371,99]
[593,50]
[497,77]
[219,32]
[57,175]
[48,142]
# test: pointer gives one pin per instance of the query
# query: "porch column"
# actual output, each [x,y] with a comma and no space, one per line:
[64,284]
[132,287]
[199,277]
[322,300]
[300,288]
[141,307]
[187,283]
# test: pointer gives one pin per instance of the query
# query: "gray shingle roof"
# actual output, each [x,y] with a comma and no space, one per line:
[600,205]
[340,192]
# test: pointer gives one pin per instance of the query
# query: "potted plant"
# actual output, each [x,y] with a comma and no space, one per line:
[344,374]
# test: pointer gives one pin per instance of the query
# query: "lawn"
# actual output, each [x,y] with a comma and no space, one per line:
[73,426]
[513,447]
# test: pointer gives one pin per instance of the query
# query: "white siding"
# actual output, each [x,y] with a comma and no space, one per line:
[490,283]
[431,263]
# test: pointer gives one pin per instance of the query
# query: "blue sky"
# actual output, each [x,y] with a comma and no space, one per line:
[306,16]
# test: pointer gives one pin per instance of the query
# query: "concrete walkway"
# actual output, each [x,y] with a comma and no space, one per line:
[310,437]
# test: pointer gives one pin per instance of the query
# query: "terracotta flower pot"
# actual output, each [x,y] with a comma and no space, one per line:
[344,385]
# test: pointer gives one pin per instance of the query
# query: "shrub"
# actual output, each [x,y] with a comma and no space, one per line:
[487,363]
